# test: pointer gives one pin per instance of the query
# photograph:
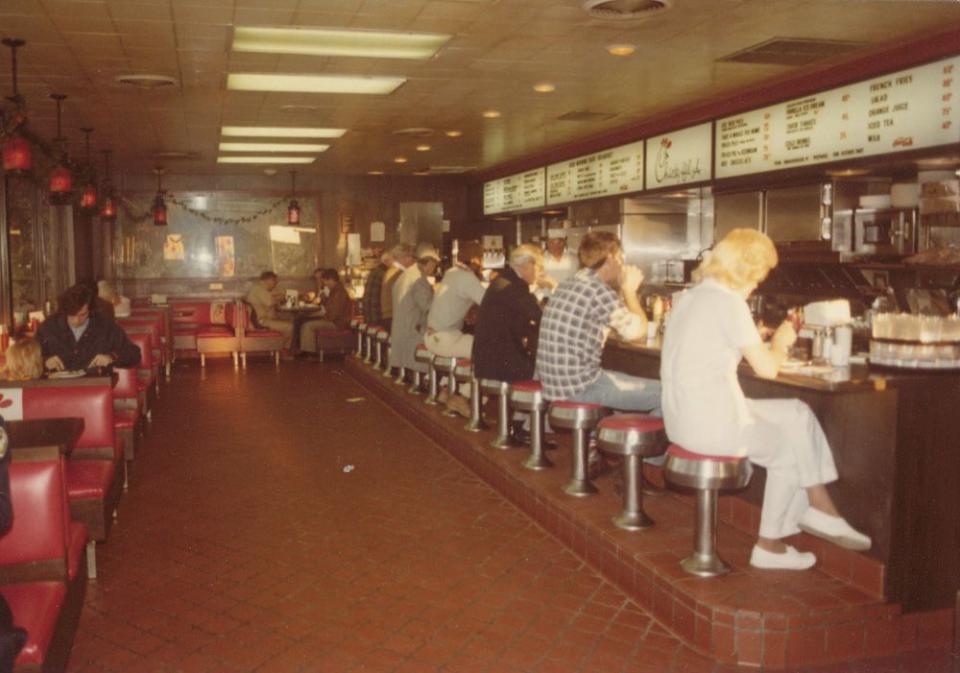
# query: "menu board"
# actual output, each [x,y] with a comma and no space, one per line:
[514,192]
[905,110]
[613,171]
[680,157]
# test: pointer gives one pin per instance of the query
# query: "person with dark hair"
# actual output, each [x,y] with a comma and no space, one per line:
[77,337]
[264,301]
[372,311]
[335,309]
[578,317]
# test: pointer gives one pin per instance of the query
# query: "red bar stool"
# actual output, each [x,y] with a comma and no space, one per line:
[528,396]
[370,340]
[358,326]
[706,475]
[463,373]
[635,437]
[445,366]
[581,418]
[500,390]
[422,356]
[381,337]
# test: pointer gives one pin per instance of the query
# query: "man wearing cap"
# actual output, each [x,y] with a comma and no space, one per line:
[410,312]
[559,264]
[403,259]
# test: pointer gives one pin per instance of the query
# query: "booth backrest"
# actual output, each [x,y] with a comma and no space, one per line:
[94,404]
[41,513]
[144,341]
[198,313]
[126,385]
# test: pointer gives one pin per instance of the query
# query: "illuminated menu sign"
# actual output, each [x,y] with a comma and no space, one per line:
[514,192]
[679,158]
[905,110]
[614,171]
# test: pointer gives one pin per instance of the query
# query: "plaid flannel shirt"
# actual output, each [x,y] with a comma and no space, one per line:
[574,328]
[372,312]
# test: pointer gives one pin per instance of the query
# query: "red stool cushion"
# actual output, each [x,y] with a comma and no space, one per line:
[680,452]
[526,386]
[213,332]
[638,422]
[89,479]
[35,607]
[570,404]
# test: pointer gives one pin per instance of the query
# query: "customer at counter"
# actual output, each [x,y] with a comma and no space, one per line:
[372,314]
[710,330]
[578,317]
[335,309]
[264,301]
[78,338]
[403,259]
[410,313]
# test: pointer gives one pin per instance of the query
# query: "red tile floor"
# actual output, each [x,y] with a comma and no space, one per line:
[246,543]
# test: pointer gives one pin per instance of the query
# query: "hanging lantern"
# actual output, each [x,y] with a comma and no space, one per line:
[108,211]
[293,210]
[61,179]
[159,205]
[88,197]
[17,154]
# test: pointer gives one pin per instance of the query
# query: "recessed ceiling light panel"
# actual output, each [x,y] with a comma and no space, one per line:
[273,147]
[492,114]
[265,160]
[336,42]
[280,132]
[454,133]
[247,81]
[544,87]
[621,49]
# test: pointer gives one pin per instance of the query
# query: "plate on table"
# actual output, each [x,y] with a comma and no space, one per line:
[71,374]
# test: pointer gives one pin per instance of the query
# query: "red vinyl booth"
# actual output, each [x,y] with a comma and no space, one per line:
[220,338]
[127,410]
[146,371]
[257,340]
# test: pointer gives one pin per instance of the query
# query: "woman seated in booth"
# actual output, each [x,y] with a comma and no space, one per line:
[705,410]
[24,361]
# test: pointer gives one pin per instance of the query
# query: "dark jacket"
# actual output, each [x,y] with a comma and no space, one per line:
[338,307]
[372,312]
[103,336]
[504,346]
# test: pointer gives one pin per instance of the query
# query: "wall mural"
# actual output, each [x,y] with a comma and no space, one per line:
[235,235]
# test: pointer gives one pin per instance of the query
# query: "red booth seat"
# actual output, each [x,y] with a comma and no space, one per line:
[189,318]
[36,607]
[256,340]
[220,338]
[127,410]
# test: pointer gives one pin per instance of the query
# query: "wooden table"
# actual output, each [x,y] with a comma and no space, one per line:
[40,435]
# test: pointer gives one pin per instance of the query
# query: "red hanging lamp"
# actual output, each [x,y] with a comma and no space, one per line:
[159,206]
[17,154]
[88,197]
[108,209]
[293,210]
[61,179]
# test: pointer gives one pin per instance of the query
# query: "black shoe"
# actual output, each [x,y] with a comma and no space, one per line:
[518,435]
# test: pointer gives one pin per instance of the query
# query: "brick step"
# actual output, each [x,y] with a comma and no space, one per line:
[774,619]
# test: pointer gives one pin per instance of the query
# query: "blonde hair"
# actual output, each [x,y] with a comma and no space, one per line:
[743,258]
[526,254]
[24,361]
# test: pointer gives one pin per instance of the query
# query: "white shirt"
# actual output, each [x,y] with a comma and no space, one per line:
[704,408]
[558,269]
[457,292]
[408,276]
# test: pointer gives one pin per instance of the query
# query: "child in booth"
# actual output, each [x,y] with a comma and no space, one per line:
[24,361]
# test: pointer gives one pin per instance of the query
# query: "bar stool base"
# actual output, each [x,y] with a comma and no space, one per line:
[705,566]
[537,463]
[632,521]
[580,488]
[502,443]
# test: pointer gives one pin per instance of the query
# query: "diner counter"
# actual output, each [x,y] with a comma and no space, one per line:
[894,438]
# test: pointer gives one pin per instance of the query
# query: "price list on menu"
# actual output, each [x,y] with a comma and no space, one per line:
[515,192]
[614,171]
[901,111]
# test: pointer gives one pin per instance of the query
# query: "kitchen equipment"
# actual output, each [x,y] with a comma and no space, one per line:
[915,341]
[885,231]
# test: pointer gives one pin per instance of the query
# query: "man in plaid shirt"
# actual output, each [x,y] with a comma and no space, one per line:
[372,311]
[575,324]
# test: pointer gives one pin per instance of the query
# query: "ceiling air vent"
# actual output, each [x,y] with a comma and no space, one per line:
[176,155]
[146,81]
[792,51]
[414,132]
[625,10]
[586,116]
[449,170]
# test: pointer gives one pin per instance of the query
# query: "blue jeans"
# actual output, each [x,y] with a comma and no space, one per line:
[623,392]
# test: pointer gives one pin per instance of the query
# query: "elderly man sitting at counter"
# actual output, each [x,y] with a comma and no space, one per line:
[410,313]
[602,295]
[264,302]
[705,410]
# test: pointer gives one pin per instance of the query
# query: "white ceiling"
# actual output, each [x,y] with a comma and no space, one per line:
[499,49]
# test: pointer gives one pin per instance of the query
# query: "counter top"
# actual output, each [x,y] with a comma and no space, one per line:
[855,378]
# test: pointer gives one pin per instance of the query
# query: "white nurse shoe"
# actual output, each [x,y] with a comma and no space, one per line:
[834,529]
[789,560]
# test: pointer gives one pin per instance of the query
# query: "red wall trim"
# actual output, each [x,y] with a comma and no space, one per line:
[877,61]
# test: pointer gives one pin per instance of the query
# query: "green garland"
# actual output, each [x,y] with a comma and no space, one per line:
[136,219]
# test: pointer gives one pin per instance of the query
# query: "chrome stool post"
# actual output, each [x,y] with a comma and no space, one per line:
[379,339]
[580,417]
[357,325]
[707,475]
[401,376]
[464,374]
[501,390]
[424,357]
[431,399]
[370,337]
[383,351]
[635,437]
[528,396]
[447,365]
[415,383]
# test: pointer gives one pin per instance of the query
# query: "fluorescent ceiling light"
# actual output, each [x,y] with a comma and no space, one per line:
[272,147]
[281,132]
[336,42]
[246,81]
[265,160]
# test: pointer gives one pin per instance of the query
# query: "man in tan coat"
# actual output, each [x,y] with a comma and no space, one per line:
[264,301]
[403,258]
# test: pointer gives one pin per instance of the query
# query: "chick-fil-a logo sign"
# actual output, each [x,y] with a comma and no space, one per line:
[685,170]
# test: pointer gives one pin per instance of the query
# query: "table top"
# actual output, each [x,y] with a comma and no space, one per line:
[307,308]
[42,432]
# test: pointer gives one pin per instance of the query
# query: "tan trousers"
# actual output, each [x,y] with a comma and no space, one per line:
[285,327]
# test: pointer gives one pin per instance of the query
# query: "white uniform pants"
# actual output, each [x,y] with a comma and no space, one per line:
[450,345]
[786,439]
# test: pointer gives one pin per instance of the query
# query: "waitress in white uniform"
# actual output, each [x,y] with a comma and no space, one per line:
[705,410]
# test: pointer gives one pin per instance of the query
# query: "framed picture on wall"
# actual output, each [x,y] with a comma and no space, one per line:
[173,248]
[226,260]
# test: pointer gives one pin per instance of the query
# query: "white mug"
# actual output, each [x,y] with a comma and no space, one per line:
[842,346]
